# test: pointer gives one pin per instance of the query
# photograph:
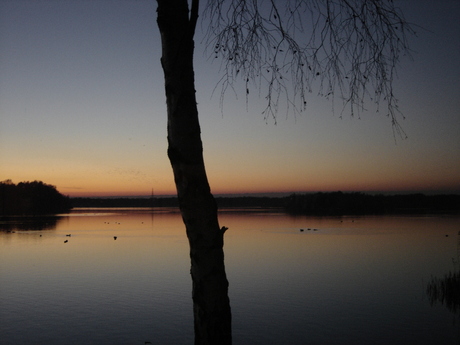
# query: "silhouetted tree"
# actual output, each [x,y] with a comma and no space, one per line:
[351,47]
[31,198]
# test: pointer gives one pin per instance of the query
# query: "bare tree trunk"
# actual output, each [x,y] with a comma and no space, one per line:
[211,306]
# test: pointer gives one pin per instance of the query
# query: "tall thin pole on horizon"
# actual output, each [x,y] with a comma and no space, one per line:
[153,202]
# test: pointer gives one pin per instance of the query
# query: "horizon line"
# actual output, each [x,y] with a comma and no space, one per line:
[272,194]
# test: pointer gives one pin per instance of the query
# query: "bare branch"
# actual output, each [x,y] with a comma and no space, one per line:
[350,48]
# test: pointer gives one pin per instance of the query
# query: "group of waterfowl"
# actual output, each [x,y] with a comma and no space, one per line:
[309,229]
[69,235]
[114,237]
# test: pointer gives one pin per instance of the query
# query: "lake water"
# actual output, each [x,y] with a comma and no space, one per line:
[347,280]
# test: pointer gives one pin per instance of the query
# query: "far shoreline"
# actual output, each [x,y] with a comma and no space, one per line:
[330,203]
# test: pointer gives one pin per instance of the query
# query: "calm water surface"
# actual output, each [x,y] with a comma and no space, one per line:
[349,280]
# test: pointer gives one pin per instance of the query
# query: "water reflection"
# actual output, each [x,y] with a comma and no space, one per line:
[29,223]
[359,280]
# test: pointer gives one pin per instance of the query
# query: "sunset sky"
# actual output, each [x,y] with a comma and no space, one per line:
[82,107]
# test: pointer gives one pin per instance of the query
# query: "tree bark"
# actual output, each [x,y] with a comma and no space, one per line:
[211,306]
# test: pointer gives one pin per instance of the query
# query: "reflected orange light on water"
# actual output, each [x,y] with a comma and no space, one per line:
[284,272]
[326,245]
[254,242]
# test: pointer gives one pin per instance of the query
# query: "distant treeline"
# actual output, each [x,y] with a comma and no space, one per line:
[338,203]
[222,202]
[31,198]
[124,202]
[335,203]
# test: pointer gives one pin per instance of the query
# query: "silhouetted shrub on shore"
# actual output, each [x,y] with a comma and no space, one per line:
[445,290]
[31,198]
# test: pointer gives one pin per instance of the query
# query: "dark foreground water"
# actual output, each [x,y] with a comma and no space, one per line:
[350,280]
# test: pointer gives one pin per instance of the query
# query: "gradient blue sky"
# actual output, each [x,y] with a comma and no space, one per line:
[82,107]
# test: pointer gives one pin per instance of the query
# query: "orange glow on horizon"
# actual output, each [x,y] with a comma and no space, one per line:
[258,179]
